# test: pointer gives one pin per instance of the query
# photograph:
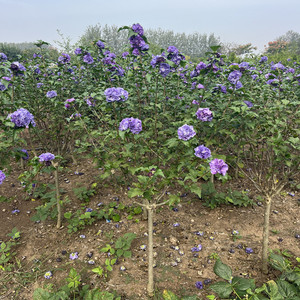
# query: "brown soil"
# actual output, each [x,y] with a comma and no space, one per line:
[41,244]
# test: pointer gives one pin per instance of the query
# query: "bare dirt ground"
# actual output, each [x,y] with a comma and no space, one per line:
[42,247]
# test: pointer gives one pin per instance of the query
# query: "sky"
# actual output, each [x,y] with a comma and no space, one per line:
[233,21]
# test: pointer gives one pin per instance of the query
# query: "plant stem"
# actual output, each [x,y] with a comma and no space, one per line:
[266,235]
[150,287]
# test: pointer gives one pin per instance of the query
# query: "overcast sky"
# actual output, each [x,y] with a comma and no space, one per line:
[237,21]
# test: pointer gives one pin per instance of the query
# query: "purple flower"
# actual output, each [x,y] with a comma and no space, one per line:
[115,94]
[218,166]
[249,250]
[51,94]
[90,101]
[156,60]
[74,116]
[89,209]
[73,255]
[17,67]
[200,233]
[254,76]
[125,54]
[22,118]
[244,65]
[172,49]
[263,59]
[88,58]
[135,125]
[2,177]
[2,87]
[137,42]
[202,152]
[100,44]
[15,211]
[3,57]
[78,51]
[234,76]
[46,157]
[109,58]
[223,89]
[39,84]
[201,66]
[248,103]
[197,248]
[68,101]
[199,285]
[176,225]
[64,58]
[37,71]
[164,69]
[138,29]
[186,132]
[48,275]
[194,73]
[35,55]
[204,114]
[195,102]
[234,232]
[25,154]
[238,85]
[136,52]
[278,66]
[124,124]
[200,86]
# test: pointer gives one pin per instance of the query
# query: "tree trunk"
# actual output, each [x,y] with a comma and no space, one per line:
[58,225]
[150,287]
[266,236]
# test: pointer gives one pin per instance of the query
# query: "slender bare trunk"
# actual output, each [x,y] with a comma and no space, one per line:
[266,236]
[145,211]
[150,287]
[58,225]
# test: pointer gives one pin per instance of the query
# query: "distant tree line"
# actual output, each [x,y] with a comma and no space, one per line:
[14,51]
[193,45]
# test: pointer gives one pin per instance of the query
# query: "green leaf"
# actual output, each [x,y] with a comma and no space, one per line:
[119,252]
[215,48]
[148,77]
[41,294]
[241,285]
[273,291]
[286,289]
[168,295]
[68,215]
[135,192]
[222,270]
[127,254]
[223,289]
[194,188]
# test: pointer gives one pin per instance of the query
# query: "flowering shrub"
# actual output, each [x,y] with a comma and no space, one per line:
[248,113]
